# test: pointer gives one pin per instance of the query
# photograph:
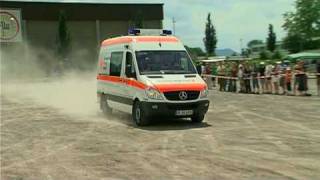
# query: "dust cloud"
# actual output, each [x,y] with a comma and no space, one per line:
[38,76]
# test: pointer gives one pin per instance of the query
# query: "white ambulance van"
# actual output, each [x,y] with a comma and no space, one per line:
[150,76]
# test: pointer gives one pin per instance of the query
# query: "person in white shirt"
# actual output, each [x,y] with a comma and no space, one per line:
[268,82]
[240,77]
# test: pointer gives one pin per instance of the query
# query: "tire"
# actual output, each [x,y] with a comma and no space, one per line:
[138,115]
[197,118]
[104,105]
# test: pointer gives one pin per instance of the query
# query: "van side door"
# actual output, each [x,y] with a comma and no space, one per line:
[130,74]
[116,92]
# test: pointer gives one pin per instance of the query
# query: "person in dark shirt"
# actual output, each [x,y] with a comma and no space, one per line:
[318,76]
[247,77]
[255,82]
[300,78]
[261,76]
[234,75]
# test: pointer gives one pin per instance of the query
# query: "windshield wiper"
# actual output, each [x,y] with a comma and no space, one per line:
[175,72]
[150,72]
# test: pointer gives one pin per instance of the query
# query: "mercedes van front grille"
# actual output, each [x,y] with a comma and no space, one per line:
[180,95]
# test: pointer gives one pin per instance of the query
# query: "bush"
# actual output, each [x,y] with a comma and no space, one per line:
[264,55]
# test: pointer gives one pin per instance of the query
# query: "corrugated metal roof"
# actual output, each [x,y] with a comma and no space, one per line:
[86,11]
[90,1]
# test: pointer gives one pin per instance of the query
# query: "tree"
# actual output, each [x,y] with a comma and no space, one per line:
[234,54]
[254,42]
[303,24]
[293,43]
[210,39]
[195,52]
[245,52]
[63,38]
[276,55]
[271,40]
[264,55]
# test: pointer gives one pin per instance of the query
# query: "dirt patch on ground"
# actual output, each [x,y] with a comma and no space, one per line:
[57,134]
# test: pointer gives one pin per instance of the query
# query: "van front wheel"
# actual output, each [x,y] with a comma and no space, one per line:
[138,115]
[197,118]
[104,105]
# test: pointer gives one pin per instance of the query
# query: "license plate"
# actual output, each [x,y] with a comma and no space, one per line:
[184,112]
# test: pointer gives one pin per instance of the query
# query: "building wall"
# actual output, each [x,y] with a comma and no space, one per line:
[89,24]
[86,36]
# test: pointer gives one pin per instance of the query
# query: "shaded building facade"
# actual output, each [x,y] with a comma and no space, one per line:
[88,24]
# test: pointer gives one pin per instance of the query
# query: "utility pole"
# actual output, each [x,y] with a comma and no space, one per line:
[174,26]
[241,44]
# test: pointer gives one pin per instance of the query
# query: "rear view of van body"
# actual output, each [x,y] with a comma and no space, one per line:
[150,76]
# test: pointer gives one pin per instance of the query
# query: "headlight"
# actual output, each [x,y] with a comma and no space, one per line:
[153,94]
[204,93]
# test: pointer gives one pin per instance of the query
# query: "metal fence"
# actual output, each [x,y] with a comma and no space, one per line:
[313,81]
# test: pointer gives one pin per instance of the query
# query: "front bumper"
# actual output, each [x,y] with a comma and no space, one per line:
[169,109]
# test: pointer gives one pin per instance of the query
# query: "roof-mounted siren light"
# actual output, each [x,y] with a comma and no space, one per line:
[166,32]
[149,32]
[134,32]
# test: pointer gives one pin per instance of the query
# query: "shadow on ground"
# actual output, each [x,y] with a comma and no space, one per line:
[158,124]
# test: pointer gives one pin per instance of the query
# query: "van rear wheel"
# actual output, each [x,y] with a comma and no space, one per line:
[138,115]
[104,105]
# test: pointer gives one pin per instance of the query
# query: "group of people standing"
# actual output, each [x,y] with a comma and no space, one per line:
[259,78]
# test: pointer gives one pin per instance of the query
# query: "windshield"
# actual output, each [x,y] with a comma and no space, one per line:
[164,62]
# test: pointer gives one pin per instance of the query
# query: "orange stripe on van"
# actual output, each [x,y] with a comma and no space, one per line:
[129,39]
[161,87]
[180,87]
[119,40]
[156,39]
[116,79]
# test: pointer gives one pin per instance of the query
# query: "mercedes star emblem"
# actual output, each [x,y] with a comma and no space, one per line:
[183,95]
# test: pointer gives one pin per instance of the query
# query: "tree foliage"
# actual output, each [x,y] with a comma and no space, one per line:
[245,52]
[264,55]
[303,24]
[63,38]
[195,52]
[277,55]
[254,42]
[293,43]
[210,39]
[271,40]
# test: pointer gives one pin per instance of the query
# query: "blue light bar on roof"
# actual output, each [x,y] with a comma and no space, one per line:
[134,31]
[167,32]
[149,32]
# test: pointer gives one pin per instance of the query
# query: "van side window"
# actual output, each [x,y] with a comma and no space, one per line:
[130,70]
[116,63]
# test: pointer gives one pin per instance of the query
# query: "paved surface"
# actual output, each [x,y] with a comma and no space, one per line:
[50,131]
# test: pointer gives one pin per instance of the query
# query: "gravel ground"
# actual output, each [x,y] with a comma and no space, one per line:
[50,131]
